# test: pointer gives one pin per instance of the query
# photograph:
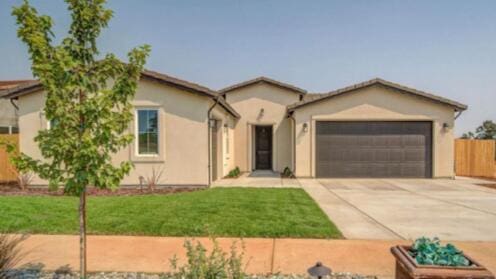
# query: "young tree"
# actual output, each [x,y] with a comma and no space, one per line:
[487,130]
[87,102]
[468,135]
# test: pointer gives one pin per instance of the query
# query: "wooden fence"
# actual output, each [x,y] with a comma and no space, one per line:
[7,171]
[475,158]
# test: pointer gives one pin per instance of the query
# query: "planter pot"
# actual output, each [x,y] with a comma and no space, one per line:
[407,267]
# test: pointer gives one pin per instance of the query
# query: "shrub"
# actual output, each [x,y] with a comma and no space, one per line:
[431,252]
[234,173]
[10,253]
[287,173]
[214,265]
[151,181]
[24,180]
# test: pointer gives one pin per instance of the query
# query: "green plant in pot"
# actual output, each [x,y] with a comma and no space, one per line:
[428,251]
[427,258]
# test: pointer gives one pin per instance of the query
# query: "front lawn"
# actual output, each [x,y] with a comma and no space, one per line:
[243,212]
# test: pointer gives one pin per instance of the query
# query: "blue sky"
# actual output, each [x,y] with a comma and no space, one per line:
[444,47]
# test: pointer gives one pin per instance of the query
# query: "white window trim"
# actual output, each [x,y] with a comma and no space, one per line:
[136,133]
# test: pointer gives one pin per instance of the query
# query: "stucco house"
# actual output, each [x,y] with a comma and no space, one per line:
[8,112]
[196,135]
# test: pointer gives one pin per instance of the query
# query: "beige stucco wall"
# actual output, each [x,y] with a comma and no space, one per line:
[183,148]
[225,150]
[375,103]
[248,102]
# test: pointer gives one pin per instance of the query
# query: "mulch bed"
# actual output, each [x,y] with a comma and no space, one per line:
[12,189]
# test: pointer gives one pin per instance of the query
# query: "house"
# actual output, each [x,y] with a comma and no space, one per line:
[8,116]
[197,135]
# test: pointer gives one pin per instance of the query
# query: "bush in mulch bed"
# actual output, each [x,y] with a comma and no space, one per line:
[13,189]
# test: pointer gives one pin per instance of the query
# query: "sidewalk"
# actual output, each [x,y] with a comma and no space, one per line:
[152,254]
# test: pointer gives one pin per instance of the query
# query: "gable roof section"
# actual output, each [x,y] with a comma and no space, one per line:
[377,81]
[34,85]
[266,80]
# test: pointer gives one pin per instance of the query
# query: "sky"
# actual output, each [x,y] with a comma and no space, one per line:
[445,47]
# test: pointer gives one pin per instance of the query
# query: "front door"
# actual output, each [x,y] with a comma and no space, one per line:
[263,147]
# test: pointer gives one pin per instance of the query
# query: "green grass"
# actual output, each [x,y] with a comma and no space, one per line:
[240,212]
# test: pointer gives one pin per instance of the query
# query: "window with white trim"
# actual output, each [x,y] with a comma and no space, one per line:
[51,123]
[147,131]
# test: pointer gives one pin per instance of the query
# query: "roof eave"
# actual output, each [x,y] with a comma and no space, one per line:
[250,82]
[457,106]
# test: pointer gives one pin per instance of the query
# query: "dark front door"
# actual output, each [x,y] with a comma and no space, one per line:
[263,147]
[374,149]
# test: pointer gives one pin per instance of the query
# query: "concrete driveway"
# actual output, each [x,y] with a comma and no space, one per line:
[407,208]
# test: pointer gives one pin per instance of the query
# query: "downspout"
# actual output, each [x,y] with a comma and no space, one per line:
[16,115]
[294,142]
[209,139]
[14,104]
[458,114]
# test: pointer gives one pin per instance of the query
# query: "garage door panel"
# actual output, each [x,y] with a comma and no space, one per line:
[414,155]
[373,149]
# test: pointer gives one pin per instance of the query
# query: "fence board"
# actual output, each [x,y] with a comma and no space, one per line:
[475,158]
[7,170]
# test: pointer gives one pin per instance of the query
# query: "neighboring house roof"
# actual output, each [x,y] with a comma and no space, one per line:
[7,84]
[34,85]
[263,79]
[377,81]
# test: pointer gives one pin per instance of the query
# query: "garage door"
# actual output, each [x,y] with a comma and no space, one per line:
[373,149]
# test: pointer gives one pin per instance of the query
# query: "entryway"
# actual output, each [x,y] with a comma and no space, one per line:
[263,147]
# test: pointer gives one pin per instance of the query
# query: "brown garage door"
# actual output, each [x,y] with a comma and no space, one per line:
[373,149]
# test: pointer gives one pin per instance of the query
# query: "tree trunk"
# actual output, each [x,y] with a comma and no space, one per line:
[82,233]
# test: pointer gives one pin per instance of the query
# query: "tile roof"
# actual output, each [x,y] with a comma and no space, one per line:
[34,85]
[263,79]
[313,98]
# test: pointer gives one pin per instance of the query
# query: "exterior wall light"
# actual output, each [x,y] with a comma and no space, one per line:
[305,127]
[262,111]
[225,127]
[445,126]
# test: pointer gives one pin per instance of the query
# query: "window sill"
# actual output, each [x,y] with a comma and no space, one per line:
[147,159]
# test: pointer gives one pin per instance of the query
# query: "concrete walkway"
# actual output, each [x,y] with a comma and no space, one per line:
[259,178]
[288,256]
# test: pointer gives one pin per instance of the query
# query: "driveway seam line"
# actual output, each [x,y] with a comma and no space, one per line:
[361,211]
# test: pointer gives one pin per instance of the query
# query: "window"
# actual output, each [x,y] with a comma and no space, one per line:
[147,126]
[52,123]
